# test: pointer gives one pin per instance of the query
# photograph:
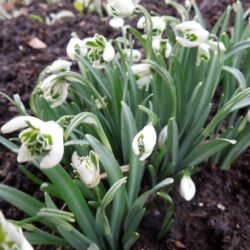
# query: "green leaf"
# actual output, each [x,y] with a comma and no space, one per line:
[8,144]
[173,139]
[128,239]
[238,47]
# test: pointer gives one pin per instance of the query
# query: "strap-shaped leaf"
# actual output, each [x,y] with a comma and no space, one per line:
[128,239]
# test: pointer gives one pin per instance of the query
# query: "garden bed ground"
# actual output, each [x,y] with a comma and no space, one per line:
[218,217]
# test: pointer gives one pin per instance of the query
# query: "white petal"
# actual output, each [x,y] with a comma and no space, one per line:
[162,138]
[150,138]
[141,69]
[55,155]
[123,8]
[168,50]
[24,155]
[141,24]
[156,44]
[135,144]
[187,188]
[71,48]
[26,245]
[116,23]
[109,53]
[186,43]
[62,98]
[189,25]
[20,122]
[158,23]
[59,65]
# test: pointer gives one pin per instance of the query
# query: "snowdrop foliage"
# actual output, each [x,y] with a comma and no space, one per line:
[39,139]
[100,51]
[11,236]
[142,74]
[192,34]
[187,188]
[87,168]
[144,142]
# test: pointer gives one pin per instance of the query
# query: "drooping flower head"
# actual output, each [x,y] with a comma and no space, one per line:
[76,47]
[162,46]
[39,139]
[59,66]
[87,168]
[203,53]
[142,74]
[134,54]
[11,236]
[122,8]
[187,187]
[144,142]
[116,23]
[100,51]
[192,34]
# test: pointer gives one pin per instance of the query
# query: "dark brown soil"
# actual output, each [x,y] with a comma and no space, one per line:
[196,226]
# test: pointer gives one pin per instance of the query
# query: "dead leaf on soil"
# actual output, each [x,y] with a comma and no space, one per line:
[36,43]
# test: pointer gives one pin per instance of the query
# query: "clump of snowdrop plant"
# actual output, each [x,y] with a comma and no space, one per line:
[138,102]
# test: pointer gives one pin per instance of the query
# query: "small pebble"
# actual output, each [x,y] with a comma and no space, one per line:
[201,204]
[221,207]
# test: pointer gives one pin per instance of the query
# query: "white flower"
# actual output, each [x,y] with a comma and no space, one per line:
[203,53]
[122,8]
[162,46]
[188,4]
[215,45]
[144,142]
[100,51]
[59,66]
[187,188]
[116,23]
[76,47]
[193,34]
[142,74]
[87,168]
[39,139]
[135,54]
[159,25]
[248,115]
[55,91]
[12,236]
[162,138]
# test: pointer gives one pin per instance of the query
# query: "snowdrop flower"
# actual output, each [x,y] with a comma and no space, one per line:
[144,142]
[215,45]
[188,4]
[187,188]
[55,91]
[203,53]
[162,46]
[116,23]
[162,138]
[39,139]
[100,51]
[159,25]
[12,236]
[134,54]
[122,8]
[142,74]
[87,168]
[59,66]
[193,34]
[76,47]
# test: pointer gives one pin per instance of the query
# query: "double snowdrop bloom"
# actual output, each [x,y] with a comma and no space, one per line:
[54,90]
[187,188]
[87,168]
[76,47]
[142,74]
[59,66]
[11,236]
[116,23]
[134,54]
[122,8]
[159,25]
[144,142]
[192,34]
[162,46]
[162,138]
[39,139]
[100,51]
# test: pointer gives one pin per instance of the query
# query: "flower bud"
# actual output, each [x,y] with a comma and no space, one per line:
[87,168]
[144,142]
[116,23]
[122,8]
[162,138]
[203,53]
[187,188]
[76,47]
[142,74]
[193,34]
[162,46]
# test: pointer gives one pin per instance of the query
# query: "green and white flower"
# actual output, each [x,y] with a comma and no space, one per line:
[203,53]
[39,139]
[11,236]
[54,90]
[116,23]
[134,54]
[216,46]
[142,74]
[192,34]
[87,168]
[76,47]
[162,138]
[122,8]
[144,142]
[59,66]
[187,187]
[100,52]
[159,25]
[162,46]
